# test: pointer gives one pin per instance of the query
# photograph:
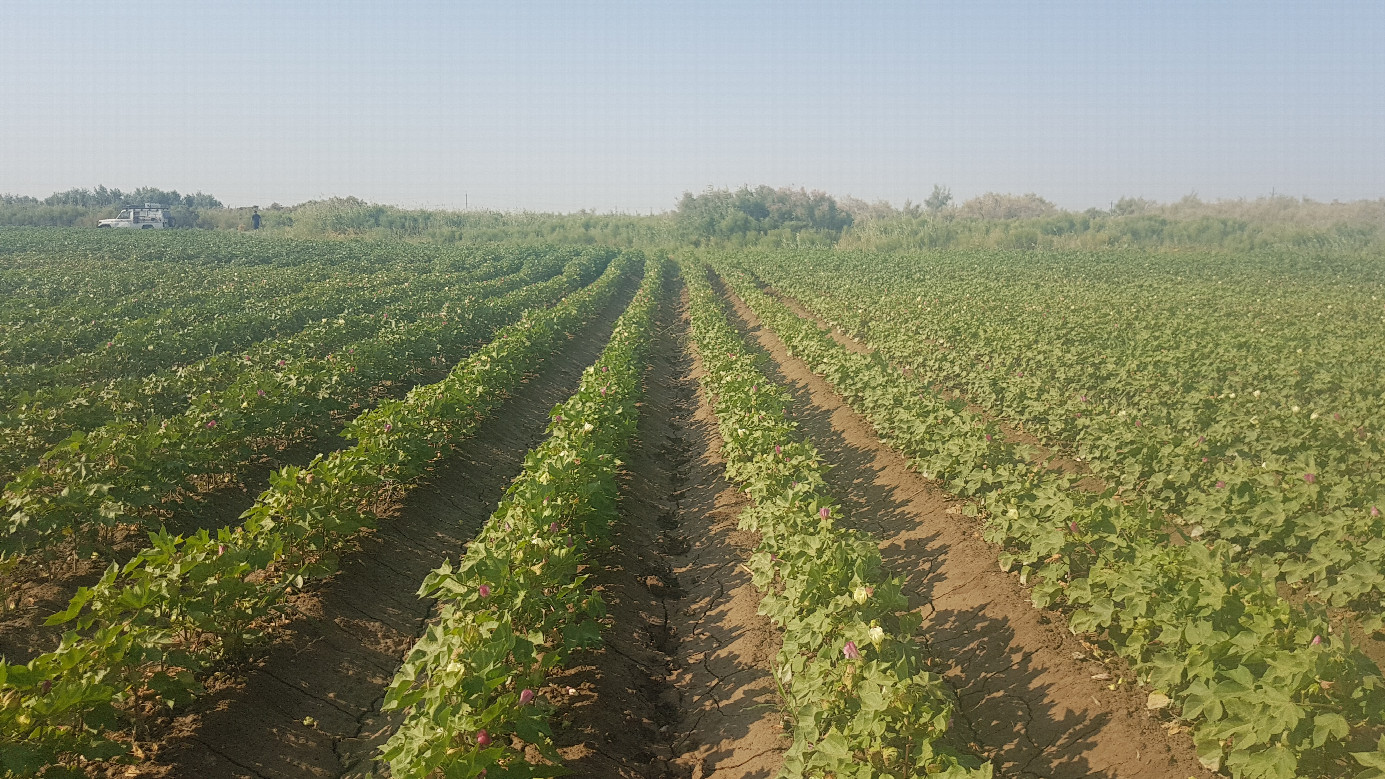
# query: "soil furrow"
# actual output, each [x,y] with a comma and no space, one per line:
[345,632]
[1026,687]
[678,604]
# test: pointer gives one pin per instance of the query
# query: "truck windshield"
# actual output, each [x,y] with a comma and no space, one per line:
[124,215]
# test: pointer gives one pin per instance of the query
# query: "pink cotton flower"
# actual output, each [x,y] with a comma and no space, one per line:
[1221,485]
[220,549]
[824,512]
[259,392]
[1317,640]
[1310,477]
[778,449]
[526,697]
[483,739]
[850,651]
[1375,511]
[484,590]
[211,423]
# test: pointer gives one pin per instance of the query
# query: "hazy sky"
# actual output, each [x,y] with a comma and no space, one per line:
[625,105]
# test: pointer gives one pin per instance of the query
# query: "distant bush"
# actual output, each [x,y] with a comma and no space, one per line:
[85,207]
[760,216]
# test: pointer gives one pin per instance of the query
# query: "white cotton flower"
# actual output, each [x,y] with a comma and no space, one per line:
[861,595]
[587,428]
[877,634]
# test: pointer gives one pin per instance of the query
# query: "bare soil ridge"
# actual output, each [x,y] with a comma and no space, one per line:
[1033,698]
[683,687]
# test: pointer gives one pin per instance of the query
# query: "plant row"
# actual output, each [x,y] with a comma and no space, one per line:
[228,316]
[1241,397]
[117,472]
[358,312]
[68,317]
[515,606]
[1271,689]
[855,680]
[147,629]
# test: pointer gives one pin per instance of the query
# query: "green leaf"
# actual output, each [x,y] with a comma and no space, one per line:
[1329,725]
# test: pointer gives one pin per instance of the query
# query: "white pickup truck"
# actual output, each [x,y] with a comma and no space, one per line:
[149,216]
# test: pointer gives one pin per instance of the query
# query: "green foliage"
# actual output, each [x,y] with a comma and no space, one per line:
[149,626]
[1239,395]
[207,419]
[855,683]
[354,217]
[1270,687]
[766,213]
[515,606]
[83,207]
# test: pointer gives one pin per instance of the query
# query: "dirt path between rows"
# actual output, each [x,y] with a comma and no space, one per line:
[1032,697]
[683,687]
[310,708]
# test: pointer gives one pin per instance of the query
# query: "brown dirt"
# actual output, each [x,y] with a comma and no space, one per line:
[310,706]
[1032,697]
[683,687]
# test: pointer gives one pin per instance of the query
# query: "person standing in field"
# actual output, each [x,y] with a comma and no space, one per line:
[255,219]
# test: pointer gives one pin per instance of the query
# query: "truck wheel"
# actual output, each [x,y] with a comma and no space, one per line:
[103,227]
[147,227]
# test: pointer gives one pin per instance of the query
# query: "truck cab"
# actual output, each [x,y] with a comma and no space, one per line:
[150,216]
